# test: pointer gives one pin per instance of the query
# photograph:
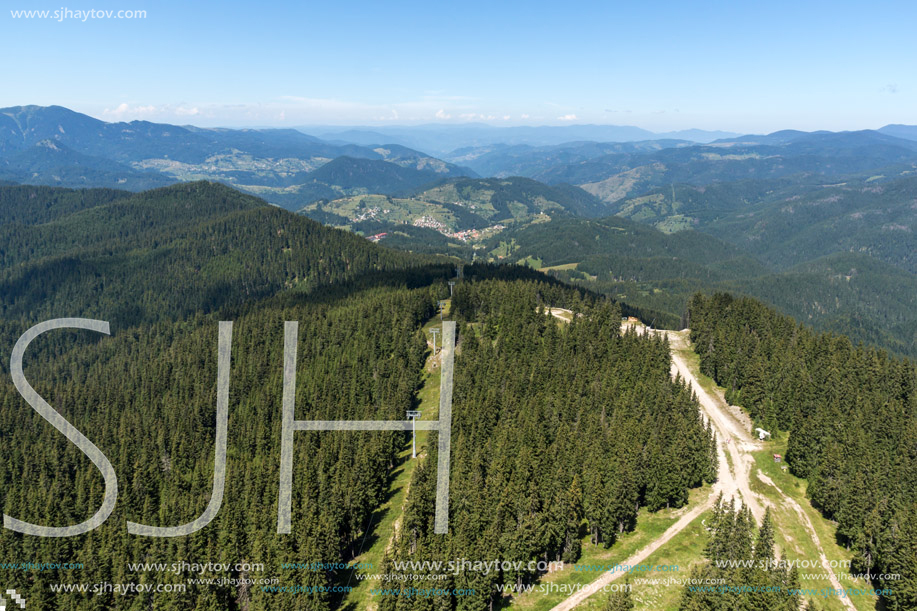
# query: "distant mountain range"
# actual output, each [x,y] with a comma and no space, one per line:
[443,139]
[615,176]
[820,224]
[56,146]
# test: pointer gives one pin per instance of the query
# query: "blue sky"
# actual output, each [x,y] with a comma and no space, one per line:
[738,66]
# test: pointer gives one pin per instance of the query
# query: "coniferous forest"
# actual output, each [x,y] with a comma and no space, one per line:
[560,430]
[557,430]
[851,413]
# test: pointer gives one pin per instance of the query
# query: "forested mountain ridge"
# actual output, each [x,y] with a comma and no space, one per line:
[351,175]
[210,245]
[559,431]
[877,217]
[50,163]
[32,205]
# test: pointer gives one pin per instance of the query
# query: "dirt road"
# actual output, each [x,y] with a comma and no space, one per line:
[639,557]
[738,441]
[727,483]
[731,437]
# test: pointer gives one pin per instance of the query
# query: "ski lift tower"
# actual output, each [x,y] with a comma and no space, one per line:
[442,306]
[451,285]
[435,332]
[413,415]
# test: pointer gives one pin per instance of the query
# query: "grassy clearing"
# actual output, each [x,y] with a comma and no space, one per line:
[382,532]
[386,520]
[650,526]
[560,314]
[560,267]
[684,551]
[792,535]
[675,223]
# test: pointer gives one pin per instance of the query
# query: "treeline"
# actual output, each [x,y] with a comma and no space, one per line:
[560,432]
[852,416]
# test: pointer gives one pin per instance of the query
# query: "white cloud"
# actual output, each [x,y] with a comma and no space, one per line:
[126,111]
[300,110]
[570,117]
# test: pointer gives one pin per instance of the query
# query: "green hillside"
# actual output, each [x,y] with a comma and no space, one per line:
[877,217]
[211,246]
[859,295]
[465,212]
[851,417]
[50,163]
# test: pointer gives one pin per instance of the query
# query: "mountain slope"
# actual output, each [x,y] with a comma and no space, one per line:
[32,205]
[878,218]
[463,211]
[617,176]
[851,413]
[171,269]
[908,132]
[371,176]
[50,163]
[861,287]
[207,246]
[849,293]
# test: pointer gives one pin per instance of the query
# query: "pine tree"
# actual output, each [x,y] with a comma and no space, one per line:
[620,600]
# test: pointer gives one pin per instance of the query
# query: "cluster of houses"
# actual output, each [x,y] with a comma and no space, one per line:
[430,223]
